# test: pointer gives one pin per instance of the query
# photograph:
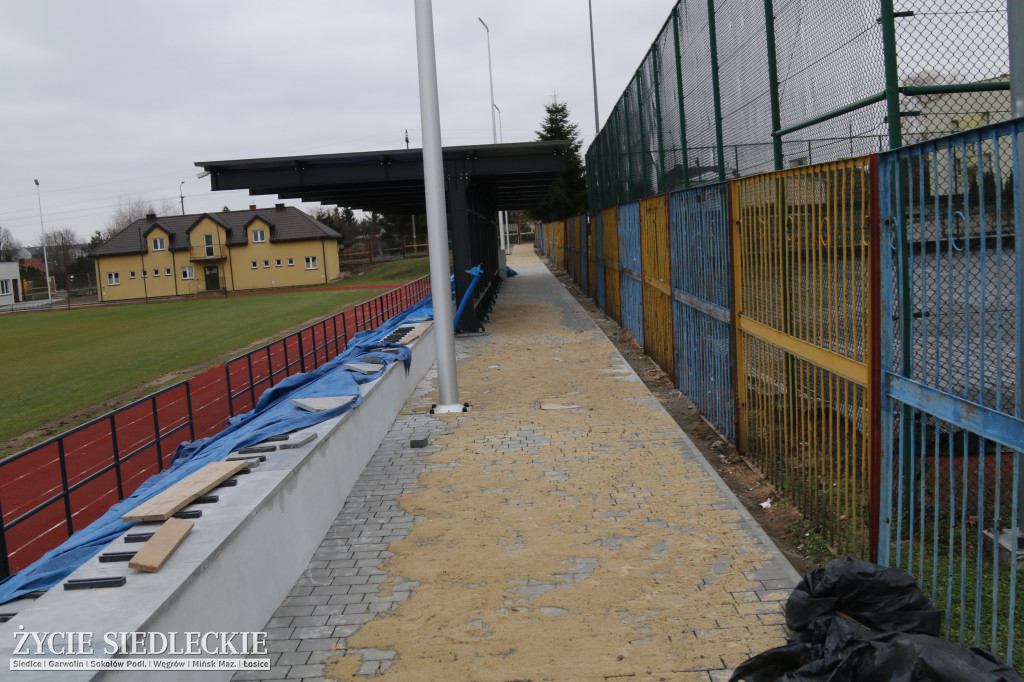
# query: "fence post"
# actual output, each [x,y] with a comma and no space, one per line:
[657,115]
[156,435]
[188,405]
[5,565]
[773,82]
[227,380]
[117,456]
[643,142]
[679,89]
[64,486]
[716,89]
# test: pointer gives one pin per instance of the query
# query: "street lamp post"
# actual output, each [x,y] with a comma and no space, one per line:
[182,195]
[494,126]
[46,262]
[503,215]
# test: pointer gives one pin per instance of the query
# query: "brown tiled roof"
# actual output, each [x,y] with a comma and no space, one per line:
[286,224]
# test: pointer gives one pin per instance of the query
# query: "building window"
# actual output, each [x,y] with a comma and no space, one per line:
[159,244]
[156,272]
[187,272]
[278,262]
[143,273]
[167,272]
[311,262]
[5,287]
[266,264]
[291,262]
[131,274]
[254,265]
[259,236]
[113,278]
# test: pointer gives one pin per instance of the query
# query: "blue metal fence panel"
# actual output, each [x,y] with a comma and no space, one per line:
[702,301]
[952,427]
[631,270]
[599,248]
[584,253]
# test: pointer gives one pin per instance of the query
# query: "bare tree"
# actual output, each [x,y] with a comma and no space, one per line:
[133,209]
[9,246]
[63,247]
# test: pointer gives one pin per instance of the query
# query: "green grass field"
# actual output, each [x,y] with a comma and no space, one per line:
[60,362]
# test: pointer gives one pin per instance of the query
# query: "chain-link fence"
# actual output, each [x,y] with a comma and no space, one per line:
[735,87]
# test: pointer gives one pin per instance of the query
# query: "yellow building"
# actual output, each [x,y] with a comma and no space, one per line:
[263,248]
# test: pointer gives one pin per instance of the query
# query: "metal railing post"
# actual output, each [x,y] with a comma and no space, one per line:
[716,89]
[64,487]
[156,435]
[773,83]
[679,88]
[117,457]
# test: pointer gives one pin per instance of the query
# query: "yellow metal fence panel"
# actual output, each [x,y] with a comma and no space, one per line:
[557,250]
[610,252]
[801,250]
[656,253]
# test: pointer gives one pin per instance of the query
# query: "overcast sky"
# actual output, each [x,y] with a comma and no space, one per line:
[111,100]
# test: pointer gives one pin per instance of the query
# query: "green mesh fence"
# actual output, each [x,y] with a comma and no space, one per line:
[731,88]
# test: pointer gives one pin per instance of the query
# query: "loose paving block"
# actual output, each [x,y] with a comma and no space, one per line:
[322,404]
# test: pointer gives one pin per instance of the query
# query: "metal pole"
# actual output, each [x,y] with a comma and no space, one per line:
[494,128]
[593,66]
[437,229]
[679,88]
[502,217]
[46,262]
[182,195]
[773,83]
[716,90]
[1015,26]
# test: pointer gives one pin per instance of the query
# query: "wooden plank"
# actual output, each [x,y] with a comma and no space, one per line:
[159,548]
[164,505]
[416,332]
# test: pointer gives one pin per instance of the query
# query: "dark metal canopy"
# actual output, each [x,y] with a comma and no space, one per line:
[515,176]
[479,181]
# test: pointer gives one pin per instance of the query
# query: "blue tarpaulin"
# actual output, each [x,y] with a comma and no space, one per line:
[273,415]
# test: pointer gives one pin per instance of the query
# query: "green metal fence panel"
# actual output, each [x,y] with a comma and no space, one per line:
[737,87]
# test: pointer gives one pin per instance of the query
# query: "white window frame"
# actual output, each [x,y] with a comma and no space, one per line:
[254,265]
[5,287]
[143,273]
[277,263]
[291,262]
[266,263]
[113,279]
[188,272]
[259,236]
[311,263]
[131,274]
[156,272]
[159,244]
[168,272]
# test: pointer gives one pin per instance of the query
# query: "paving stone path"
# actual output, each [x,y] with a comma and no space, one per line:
[539,536]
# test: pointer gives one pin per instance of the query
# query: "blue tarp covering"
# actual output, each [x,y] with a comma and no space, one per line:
[274,414]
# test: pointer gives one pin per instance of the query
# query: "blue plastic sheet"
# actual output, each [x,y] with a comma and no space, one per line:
[273,415]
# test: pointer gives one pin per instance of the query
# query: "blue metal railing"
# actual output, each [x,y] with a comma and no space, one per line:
[952,411]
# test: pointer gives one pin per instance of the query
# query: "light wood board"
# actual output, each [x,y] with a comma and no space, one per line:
[164,505]
[159,548]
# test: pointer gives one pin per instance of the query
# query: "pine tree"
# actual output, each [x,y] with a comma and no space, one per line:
[569,195]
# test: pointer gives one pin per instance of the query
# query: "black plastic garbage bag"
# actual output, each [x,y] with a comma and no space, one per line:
[853,620]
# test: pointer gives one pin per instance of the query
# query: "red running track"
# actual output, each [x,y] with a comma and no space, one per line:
[108,458]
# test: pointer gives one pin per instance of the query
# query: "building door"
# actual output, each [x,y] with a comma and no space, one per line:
[212,277]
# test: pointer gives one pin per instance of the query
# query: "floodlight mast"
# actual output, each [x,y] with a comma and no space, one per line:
[437,225]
